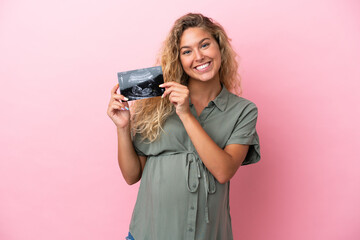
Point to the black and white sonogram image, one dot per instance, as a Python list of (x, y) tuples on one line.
[(141, 83)]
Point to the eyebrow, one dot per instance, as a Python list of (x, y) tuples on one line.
[(199, 43)]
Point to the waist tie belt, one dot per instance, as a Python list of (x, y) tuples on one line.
[(194, 167)]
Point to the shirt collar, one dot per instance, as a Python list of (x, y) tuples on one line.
[(221, 100)]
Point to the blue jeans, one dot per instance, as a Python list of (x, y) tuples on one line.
[(130, 237)]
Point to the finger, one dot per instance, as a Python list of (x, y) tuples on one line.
[(177, 99), (179, 95), (126, 105), (113, 109), (166, 92), (116, 103), (114, 89), (119, 106), (120, 97), (175, 88), (170, 84)]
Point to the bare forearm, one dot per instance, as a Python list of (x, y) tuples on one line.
[(129, 161), (217, 161), (222, 163)]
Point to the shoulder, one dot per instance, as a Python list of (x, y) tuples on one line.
[(240, 103)]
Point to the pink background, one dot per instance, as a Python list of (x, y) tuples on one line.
[(59, 177)]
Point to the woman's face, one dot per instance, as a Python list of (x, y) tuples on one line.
[(200, 55)]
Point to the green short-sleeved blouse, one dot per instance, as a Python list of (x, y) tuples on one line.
[(179, 199)]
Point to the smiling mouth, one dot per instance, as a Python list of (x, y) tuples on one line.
[(203, 66)]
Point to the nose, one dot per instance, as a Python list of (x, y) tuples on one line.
[(198, 55)]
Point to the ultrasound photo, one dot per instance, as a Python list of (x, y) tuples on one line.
[(141, 83)]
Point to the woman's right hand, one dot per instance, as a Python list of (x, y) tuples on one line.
[(118, 109)]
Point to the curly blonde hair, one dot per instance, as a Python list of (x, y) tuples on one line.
[(148, 115)]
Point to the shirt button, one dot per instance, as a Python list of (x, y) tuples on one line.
[(194, 185), (192, 208), (190, 230)]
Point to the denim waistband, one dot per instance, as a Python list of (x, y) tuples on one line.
[(130, 237)]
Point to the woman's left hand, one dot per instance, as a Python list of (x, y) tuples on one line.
[(178, 95)]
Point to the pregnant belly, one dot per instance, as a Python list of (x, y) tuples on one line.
[(164, 179)]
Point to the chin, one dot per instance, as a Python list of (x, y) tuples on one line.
[(204, 78)]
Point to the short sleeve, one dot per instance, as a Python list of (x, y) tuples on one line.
[(245, 133), (138, 144)]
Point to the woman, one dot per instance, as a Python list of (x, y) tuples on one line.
[(189, 143)]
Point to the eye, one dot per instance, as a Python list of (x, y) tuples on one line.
[(186, 52), (205, 45)]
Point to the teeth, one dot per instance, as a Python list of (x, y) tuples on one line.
[(202, 66)]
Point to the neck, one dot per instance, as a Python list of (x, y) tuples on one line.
[(204, 92)]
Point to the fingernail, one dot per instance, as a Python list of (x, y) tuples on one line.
[(126, 99), (162, 96), (126, 108), (161, 85)]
